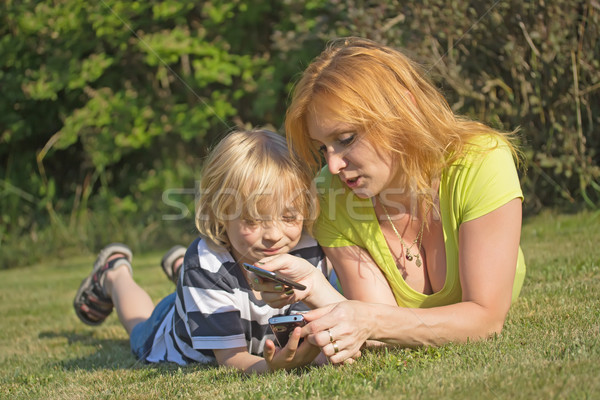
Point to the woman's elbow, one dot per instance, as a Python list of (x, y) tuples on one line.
[(491, 322)]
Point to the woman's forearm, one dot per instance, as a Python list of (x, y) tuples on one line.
[(322, 293), (434, 326)]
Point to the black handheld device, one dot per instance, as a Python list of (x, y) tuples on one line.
[(274, 276), (283, 326)]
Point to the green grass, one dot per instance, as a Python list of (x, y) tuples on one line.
[(550, 347)]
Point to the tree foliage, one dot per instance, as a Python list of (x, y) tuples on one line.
[(108, 105)]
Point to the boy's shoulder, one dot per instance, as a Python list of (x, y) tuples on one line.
[(208, 268), (200, 254), (309, 249)]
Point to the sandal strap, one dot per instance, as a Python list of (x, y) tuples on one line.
[(100, 276), (168, 261), (91, 303)]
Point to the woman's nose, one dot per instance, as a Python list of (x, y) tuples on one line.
[(335, 162)]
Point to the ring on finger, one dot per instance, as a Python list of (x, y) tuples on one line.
[(330, 336), (336, 349)]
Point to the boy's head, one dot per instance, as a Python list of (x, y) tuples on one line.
[(251, 177)]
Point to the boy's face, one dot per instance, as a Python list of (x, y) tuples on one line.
[(253, 240)]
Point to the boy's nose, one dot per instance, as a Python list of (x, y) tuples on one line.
[(273, 232)]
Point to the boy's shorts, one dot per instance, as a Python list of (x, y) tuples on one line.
[(142, 335)]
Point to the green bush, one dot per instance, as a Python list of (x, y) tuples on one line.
[(533, 65), (108, 108)]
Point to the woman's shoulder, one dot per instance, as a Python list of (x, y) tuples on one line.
[(484, 146)]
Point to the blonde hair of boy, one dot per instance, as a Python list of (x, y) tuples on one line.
[(251, 175), (387, 98)]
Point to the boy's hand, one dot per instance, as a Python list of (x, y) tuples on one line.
[(293, 355)]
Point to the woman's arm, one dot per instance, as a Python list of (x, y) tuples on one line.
[(488, 252), (359, 275)]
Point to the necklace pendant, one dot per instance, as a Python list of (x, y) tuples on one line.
[(418, 262), (409, 257)]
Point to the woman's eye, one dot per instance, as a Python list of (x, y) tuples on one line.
[(347, 141)]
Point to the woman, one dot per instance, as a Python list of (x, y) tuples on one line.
[(420, 209)]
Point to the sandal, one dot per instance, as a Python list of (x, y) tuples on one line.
[(168, 261), (92, 305)]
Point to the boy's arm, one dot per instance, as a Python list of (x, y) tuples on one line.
[(239, 358), (291, 356)]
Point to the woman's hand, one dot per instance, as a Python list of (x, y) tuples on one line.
[(293, 355), (340, 329), (318, 291)]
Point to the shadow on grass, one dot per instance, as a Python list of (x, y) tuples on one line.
[(115, 354), (109, 354)]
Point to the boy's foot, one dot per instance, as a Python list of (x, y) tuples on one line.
[(91, 303), (171, 262)]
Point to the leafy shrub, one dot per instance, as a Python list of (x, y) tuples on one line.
[(108, 108)]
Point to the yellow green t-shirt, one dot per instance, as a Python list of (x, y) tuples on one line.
[(480, 182)]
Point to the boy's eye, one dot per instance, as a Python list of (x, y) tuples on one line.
[(250, 222), (289, 218)]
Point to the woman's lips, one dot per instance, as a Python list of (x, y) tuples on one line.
[(352, 182)]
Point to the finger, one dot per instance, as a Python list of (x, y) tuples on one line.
[(348, 361), (269, 350), (342, 355), (255, 280), (276, 300), (318, 313), (308, 351), (264, 284), (320, 320), (289, 351), (322, 338), (270, 263)]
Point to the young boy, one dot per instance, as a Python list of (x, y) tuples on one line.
[(254, 203)]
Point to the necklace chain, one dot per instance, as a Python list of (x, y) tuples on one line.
[(407, 249)]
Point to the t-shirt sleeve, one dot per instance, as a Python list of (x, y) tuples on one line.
[(212, 309), (328, 234), (487, 181), (333, 220)]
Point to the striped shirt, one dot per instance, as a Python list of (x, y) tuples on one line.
[(215, 307)]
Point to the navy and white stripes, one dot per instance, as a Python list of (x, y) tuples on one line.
[(216, 308)]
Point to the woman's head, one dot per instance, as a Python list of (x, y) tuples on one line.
[(250, 177), (385, 98)]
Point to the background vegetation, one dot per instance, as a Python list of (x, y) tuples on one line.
[(109, 107)]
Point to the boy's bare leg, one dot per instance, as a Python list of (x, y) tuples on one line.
[(132, 303)]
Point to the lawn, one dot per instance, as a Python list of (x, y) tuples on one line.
[(550, 346)]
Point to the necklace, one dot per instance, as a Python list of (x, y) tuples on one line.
[(407, 249)]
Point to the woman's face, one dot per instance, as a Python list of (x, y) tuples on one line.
[(366, 171)]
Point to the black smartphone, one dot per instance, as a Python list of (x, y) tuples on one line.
[(283, 326), (274, 276)]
